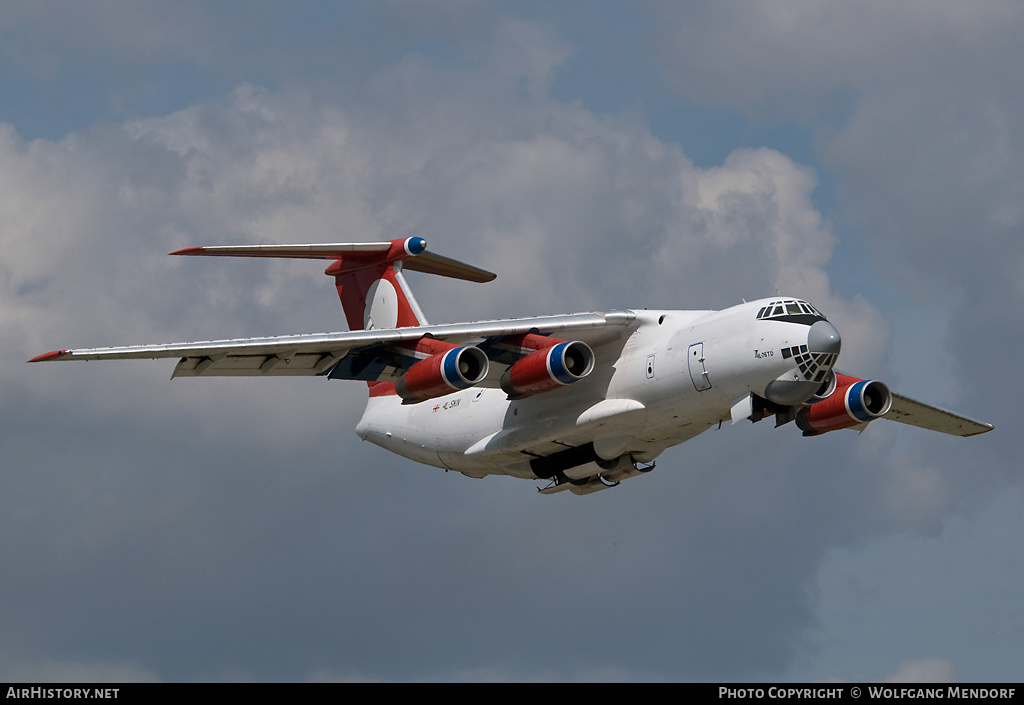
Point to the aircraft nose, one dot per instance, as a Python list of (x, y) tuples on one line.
[(824, 338)]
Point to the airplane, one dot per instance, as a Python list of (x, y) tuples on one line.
[(581, 401)]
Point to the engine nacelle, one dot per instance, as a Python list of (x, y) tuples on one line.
[(544, 370), (443, 373), (855, 401)]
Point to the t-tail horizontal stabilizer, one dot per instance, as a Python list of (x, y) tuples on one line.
[(368, 275), (357, 255)]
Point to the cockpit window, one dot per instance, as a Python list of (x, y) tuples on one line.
[(788, 309)]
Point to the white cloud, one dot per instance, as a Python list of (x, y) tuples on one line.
[(926, 670), (920, 106)]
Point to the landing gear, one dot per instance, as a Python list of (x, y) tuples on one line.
[(612, 472)]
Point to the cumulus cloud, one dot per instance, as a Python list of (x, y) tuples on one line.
[(534, 185), (913, 110), (919, 104), (926, 670)]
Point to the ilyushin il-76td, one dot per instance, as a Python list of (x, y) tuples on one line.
[(581, 401)]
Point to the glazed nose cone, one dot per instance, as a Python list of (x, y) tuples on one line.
[(824, 338)]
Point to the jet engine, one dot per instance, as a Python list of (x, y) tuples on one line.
[(547, 369), (443, 373), (855, 401)]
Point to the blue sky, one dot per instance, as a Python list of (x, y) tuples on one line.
[(595, 155)]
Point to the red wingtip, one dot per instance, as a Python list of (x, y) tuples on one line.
[(49, 356), (188, 251)]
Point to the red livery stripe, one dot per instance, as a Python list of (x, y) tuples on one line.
[(49, 356)]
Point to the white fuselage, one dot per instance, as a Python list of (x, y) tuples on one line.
[(665, 378)]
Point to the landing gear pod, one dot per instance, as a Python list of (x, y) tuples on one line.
[(855, 401), (443, 373), (544, 370), (581, 471)]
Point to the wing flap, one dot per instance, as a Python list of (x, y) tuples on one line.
[(283, 364), (915, 413)]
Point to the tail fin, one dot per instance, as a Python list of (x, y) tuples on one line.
[(368, 275)]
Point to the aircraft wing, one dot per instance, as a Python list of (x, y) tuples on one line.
[(915, 413), (317, 354)]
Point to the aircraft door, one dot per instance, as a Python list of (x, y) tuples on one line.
[(695, 362)]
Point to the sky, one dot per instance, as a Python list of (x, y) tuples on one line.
[(596, 155)]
